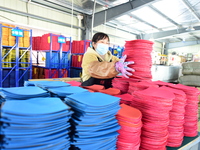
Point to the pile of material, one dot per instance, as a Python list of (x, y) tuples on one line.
[(139, 51)]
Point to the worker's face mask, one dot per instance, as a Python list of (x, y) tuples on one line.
[(102, 49)]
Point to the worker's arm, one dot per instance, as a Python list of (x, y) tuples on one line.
[(96, 69)]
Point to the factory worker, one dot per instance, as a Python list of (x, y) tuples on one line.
[(99, 66)]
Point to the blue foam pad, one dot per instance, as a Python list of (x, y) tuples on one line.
[(51, 84), (65, 91), (95, 99), (34, 106)]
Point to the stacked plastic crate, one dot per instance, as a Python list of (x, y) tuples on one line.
[(116, 50), (57, 53), (78, 49)]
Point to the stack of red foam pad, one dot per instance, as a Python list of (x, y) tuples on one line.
[(110, 91), (125, 98), (161, 83), (139, 51), (122, 84), (100, 88), (94, 87), (135, 86), (191, 109), (129, 119), (155, 104), (176, 116)]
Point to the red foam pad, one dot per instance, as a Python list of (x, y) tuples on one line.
[(74, 83), (110, 91), (94, 87)]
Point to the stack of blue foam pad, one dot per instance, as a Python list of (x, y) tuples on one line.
[(23, 92), (35, 124), (62, 92), (1, 101), (46, 84), (33, 83), (93, 122)]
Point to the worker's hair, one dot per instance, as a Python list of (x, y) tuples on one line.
[(99, 36)]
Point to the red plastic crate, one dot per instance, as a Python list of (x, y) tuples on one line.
[(46, 41), (64, 73), (66, 46), (77, 60), (78, 46), (53, 74)]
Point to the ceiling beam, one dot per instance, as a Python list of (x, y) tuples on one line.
[(139, 19), (13, 11), (165, 34), (123, 24), (101, 2), (68, 5), (114, 26), (167, 18), (180, 39), (191, 9), (56, 6), (118, 11), (164, 16), (182, 44), (198, 38)]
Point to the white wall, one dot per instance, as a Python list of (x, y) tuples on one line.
[(116, 36), (40, 27), (35, 23), (187, 49), (157, 47)]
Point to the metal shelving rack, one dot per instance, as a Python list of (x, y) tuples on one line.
[(16, 65), (63, 61)]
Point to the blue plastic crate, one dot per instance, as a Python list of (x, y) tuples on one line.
[(12, 79), (24, 78), (75, 72), (6, 82), (54, 61)]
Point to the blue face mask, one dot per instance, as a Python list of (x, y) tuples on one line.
[(102, 49)]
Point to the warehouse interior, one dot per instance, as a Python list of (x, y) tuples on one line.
[(165, 38)]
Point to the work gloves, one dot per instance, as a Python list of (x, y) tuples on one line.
[(122, 67)]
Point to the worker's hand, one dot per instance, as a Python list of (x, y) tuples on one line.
[(122, 67)]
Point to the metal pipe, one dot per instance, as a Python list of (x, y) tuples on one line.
[(72, 18), (93, 12), (105, 21), (80, 17), (27, 10), (37, 17)]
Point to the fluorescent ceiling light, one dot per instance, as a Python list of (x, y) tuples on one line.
[(190, 28)]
